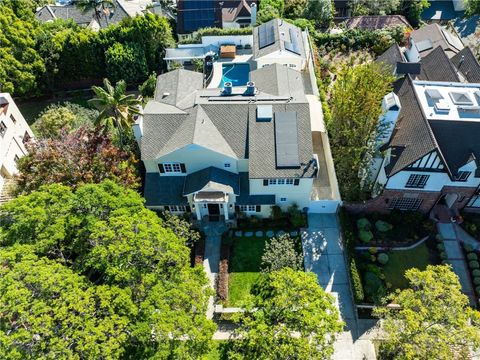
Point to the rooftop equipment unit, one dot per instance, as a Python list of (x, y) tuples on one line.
[(442, 107), (264, 113), (250, 89), (227, 88)]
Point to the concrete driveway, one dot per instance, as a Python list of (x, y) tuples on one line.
[(323, 251)]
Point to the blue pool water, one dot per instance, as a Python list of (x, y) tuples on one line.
[(237, 74)]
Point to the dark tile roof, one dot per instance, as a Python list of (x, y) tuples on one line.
[(246, 199), (458, 141), (164, 190), (436, 66), (404, 68), (209, 177), (66, 12), (376, 22), (466, 62), (392, 56), (412, 135)]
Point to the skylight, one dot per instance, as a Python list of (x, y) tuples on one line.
[(461, 98)]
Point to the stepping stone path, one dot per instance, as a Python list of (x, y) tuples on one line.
[(248, 233), (259, 234), (293, 233), (270, 234), (280, 233), (238, 233)]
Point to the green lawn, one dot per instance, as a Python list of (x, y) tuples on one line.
[(400, 261), (31, 109), (244, 268)]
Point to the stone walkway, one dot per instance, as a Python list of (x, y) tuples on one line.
[(323, 250), (213, 239), (453, 236)]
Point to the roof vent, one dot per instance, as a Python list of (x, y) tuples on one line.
[(250, 89), (264, 113), (165, 94), (227, 88), (442, 107)]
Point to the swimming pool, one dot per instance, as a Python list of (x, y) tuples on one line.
[(237, 74)]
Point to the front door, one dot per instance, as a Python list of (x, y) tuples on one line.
[(214, 209)]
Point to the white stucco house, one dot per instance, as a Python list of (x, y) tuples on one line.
[(221, 151), (14, 134)]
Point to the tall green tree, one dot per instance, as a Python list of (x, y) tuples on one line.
[(291, 317), (374, 7), (356, 106), (280, 253), (431, 319), (472, 7), (320, 11), (116, 108), (413, 9)]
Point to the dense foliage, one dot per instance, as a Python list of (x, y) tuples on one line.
[(84, 156), (430, 320), (91, 273), (66, 116), (374, 7), (280, 253), (355, 100), (212, 31), (472, 7), (287, 302), (38, 57)]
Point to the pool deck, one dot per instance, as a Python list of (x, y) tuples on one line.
[(241, 57)]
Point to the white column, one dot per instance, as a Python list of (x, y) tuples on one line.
[(225, 210), (197, 211)]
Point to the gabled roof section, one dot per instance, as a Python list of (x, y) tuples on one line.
[(178, 88), (276, 79), (436, 66), (212, 179), (392, 56), (466, 62), (412, 135), (376, 22), (284, 34), (438, 37), (231, 13)]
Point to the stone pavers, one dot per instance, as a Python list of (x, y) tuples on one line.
[(248, 233), (323, 252), (270, 233), (259, 233), (238, 233)]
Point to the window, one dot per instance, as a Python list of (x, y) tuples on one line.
[(177, 208), (411, 204), (280, 182), (172, 168), (283, 199), (248, 208), (417, 181), (227, 165), (289, 181), (292, 65), (462, 175), (3, 128), (272, 181), (16, 158), (26, 137), (13, 119)]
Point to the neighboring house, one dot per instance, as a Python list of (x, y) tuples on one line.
[(193, 15), (376, 22), (221, 151), (14, 134), (423, 40), (122, 9), (428, 148), (280, 42)]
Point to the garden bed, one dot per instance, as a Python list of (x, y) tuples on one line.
[(471, 224)]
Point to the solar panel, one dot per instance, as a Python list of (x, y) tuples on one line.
[(293, 45), (266, 35), (286, 140)]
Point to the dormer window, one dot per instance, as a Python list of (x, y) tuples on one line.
[(462, 176)]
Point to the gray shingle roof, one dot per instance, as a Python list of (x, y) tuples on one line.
[(246, 199), (178, 87), (466, 62), (212, 179), (436, 66), (66, 12), (439, 37), (281, 29), (164, 190), (279, 80), (391, 56)]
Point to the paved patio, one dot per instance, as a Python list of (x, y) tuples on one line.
[(323, 250)]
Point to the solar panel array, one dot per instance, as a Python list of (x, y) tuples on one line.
[(266, 35), (286, 140), (197, 14), (294, 44)]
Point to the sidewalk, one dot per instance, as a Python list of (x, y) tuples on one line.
[(323, 251)]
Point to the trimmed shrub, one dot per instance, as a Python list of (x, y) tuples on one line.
[(363, 224), (476, 272), (356, 282), (441, 247), (473, 264), (365, 236), (476, 280), (443, 255), (373, 250), (468, 248), (439, 237), (472, 256), (374, 288), (383, 226), (382, 258)]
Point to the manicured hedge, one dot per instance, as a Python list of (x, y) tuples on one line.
[(212, 31), (358, 292)]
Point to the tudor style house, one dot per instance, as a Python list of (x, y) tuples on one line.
[(14, 134), (217, 151), (429, 148)]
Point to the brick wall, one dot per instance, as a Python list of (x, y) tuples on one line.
[(429, 198)]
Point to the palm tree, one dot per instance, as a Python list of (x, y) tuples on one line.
[(117, 110), (99, 7)]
